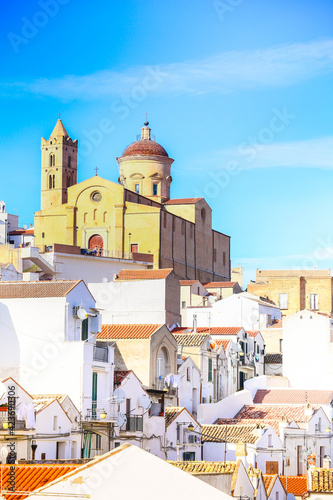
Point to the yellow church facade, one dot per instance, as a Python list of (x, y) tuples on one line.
[(137, 215)]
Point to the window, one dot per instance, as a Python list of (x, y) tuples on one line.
[(94, 395), (69, 161), (68, 181), (276, 495), (188, 374), (43, 456), (173, 224), (189, 456), (281, 345), (155, 189), (270, 441), (168, 191), (198, 290), (283, 301), (53, 181), (210, 370), (203, 215), (134, 248), (314, 301), (183, 226), (224, 258), (164, 220), (52, 160), (84, 329), (214, 254), (191, 231), (117, 444), (183, 304), (258, 349), (137, 188), (50, 181), (55, 423)]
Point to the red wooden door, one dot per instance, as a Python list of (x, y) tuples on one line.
[(96, 241)]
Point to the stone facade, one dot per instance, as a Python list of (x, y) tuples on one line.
[(294, 291)]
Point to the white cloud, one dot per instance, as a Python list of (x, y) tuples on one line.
[(312, 153), (224, 73)]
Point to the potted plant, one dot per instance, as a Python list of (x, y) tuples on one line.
[(3, 406)]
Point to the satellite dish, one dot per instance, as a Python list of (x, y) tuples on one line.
[(121, 419), (211, 299), (82, 314), (145, 402), (3, 390), (105, 280), (119, 395)]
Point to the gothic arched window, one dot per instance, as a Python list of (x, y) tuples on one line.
[(50, 181)]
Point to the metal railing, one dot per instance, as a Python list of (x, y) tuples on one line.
[(134, 423), (101, 354)]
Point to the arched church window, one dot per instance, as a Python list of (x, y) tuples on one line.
[(53, 181), (50, 181), (163, 363), (52, 160)]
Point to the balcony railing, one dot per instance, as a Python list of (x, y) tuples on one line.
[(161, 386), (134, 423), (19, 424), (101, 354), (96, 413)]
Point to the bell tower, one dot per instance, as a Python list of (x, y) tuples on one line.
[(59, 166)]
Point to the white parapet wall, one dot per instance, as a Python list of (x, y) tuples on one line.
[(226, 408)]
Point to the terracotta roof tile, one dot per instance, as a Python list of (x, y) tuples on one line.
[(274, 412), (252, 333), (203, 467), (223, 343), (297, 485), (322, 479), (171, 412), (273, 358), (216, 330), (143, 274), (182, 201), (229, 433), (119, 376), (249, 421), (31, 477), (269, 480), (35, 289), (220, 284), (113, 332), (195, 339), (188, 282), (292, 396), (276, 324)]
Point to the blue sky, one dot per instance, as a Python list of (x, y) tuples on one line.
[(239, 93)]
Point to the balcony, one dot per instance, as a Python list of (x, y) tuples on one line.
[(98, 414), (19, 424), (134, 424), (161, 386), (101, 354)]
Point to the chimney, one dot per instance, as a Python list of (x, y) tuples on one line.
[(241, 452), (194, 323)]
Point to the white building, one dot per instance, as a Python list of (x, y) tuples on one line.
[(8, 223), (242, 309), (49, 347), (190, 383), (308, 350), (181, 443)]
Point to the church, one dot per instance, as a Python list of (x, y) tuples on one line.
[(135, 215)]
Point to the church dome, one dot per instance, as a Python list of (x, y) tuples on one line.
[(145, 146)]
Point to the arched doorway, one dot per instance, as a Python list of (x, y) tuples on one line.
[(96, 241)]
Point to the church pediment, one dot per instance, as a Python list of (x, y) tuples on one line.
[(136, 176)]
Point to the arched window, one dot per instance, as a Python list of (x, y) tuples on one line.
[(50, 181), (53, 181), (52, 160), (69, 161), (68, 180), (163, 364)]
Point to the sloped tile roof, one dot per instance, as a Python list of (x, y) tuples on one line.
[(273, 358), (31, 477), (295, 484), (252, 333), (59, 397), (274, 412), (119, 376), (223, 343), (220, 284), (215, 330), (322, 479), (203, 467), (269, 480), (292, 396), (171, 412), (113, 332), (276, 324), (229, 433), (249, 421), (182, 201), (142, 274), (36, 289), (188, 282), (195, 339)]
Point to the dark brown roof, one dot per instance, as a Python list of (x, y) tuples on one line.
[(145, 147), (273, 358), (36, 289), (182, 201), (220, 284)]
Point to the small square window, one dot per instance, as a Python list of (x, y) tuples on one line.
[(137, 188)]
